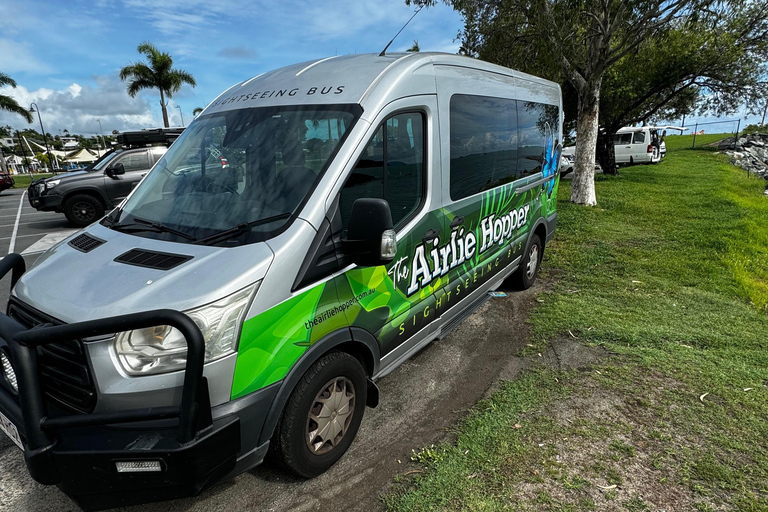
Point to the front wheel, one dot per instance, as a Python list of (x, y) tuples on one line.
[(322, 416), (525, 275), (83, 209)]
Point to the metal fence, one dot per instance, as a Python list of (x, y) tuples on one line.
[(706, 136)]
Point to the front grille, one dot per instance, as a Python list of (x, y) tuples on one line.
[(85, 242), (64, 371), (152, 259)]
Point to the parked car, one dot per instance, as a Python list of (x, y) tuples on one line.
[(6, 181), (83, 196), (310, 231)]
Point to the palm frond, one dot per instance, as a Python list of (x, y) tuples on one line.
[(10, 105), (7, 80), (148, 49), (136, 85)]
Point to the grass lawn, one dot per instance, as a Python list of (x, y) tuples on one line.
[(23, 180), (675, 142), (669, 274)]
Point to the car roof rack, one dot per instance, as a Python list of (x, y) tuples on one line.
[(164, 136)]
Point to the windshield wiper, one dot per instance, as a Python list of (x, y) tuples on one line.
[(240, 229), (145, 225)]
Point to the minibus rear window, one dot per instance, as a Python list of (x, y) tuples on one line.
[(253, 167)]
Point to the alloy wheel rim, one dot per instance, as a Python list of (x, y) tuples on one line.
[(533, 261), (330, 416), (83, 211)]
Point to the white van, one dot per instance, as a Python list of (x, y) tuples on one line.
[(368, 205), (637, 145), (641, 144)]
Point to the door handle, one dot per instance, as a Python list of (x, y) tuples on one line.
[(430, 235), (456, 222)]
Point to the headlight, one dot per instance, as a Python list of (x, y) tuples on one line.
[(40, 187), (162, 349), (52, 183)]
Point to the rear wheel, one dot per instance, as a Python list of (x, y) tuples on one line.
[(322, 416), (525, 275), (83, 209)]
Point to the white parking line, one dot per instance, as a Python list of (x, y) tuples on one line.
[(47, 242), (22, 213), (12, 246)]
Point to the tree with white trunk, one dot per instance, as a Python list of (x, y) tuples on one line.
[(575, 39)]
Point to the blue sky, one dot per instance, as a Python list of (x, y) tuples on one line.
[(66, 55)]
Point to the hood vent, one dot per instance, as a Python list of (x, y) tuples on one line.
[(85, 242), (152, 259)]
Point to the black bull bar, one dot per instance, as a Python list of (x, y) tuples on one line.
[(197, 440)]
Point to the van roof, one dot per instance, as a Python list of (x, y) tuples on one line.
[(344, 79)]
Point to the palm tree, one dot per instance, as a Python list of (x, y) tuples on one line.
[(8, 103), (197, 111), (157, 74), (415, 47)]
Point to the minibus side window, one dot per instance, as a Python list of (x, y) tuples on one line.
[(483, 144), (639, 138), (391, 167)]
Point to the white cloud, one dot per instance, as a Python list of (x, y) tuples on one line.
[(79, 107)]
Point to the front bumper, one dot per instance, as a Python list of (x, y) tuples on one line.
[(78, 453), (43, 202)]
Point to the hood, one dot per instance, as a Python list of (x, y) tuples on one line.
[(73, 286), (66, 175)]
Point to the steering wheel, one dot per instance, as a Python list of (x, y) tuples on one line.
[(212, 185)]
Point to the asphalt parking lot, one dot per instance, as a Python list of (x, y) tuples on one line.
[(26, 231)]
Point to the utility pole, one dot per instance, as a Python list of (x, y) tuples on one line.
[(23, 156), (103, 141), (182, 116), (32, 108)]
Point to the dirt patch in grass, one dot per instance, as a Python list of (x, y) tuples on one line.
[(607, 452)]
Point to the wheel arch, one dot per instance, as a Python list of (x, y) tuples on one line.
[(354, 341), (540, 229), (88, 191)]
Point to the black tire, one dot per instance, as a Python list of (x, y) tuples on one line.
[(525, 275), (290, 442), (83, 209)]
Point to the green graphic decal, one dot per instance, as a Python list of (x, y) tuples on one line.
[(479, 236)]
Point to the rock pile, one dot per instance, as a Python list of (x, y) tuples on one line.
[(749, 153)]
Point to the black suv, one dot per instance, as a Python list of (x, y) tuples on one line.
[(84, 196)]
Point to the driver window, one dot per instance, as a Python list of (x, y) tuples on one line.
[(391, 167), (137, 161)]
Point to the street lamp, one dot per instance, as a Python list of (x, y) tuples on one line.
[(182, 116), (34, 108)]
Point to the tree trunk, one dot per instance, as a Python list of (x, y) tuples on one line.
[(165, 112), (606, 153), (583, 183)]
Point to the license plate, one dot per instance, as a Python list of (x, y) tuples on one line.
[(10, 430)]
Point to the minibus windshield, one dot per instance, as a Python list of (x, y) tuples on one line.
[(237, 177)]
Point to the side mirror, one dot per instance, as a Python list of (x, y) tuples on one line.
[(115, 170), (370, 241)]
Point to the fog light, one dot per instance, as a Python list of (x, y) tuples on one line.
[(10, 374), (139, 466)]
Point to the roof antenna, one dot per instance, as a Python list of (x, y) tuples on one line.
[(384, 51)]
